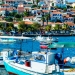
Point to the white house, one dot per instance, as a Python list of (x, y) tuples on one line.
[(56, 16), (68, 18), (29, 1), (2, 11), (29, 18), (73, 4), (70, 24)]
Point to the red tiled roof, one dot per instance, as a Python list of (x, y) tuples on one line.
[(28, 22), (70, 23), (20, 9), (5, 4), (56, 12), (9, 9), (45, 11), (50, 23), (29, 17), (2, 9)]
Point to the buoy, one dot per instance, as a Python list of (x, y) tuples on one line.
[(66, 59), (43, 47)]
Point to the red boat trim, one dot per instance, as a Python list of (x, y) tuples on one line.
[(11, 73)]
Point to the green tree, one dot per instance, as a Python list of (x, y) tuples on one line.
[(48, 28), (18, 15), (22, 26), (36, 26), (12, 14), (9, 19), (57, 27), (1, 26), (65, 9), (9, 27), (65, 27), (74, 19), (43, 19), (37, 2), (26, 13), (47, 16)]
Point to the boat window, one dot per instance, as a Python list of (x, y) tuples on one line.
[(39, 57)]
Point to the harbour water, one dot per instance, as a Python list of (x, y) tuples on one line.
[(68, 52), (3, 71)]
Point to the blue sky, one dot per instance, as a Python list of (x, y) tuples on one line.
[(71, 0)]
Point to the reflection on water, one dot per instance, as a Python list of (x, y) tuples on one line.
[(3, 71)]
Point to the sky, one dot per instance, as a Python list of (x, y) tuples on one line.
[(71, 0)]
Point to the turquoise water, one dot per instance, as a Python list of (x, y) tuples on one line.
[(68, 52)]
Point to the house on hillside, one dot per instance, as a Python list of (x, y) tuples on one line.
[(2, 11), (68, 18), (29, 18), (70, 24), (29, 1), (56, 16), (20, 8), (41, 3)]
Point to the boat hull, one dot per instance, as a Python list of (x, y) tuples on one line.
[(13, 70)]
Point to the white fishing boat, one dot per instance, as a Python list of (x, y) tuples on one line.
[(40, 38), (1, 59), (7, 40), (1, 56), (34, 63), (46, 40)]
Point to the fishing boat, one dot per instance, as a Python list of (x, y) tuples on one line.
[(46, 40), (35, 62), (1, 57), (7, 40)]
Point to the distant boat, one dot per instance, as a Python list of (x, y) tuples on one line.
[(44, 39), (7, 40)]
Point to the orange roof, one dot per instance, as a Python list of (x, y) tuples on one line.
[(45, 11), (50, 23), (28, 22), (5, 4), (2, 9), (29, 17), (56, 12), (70, 23), (9, 9)]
